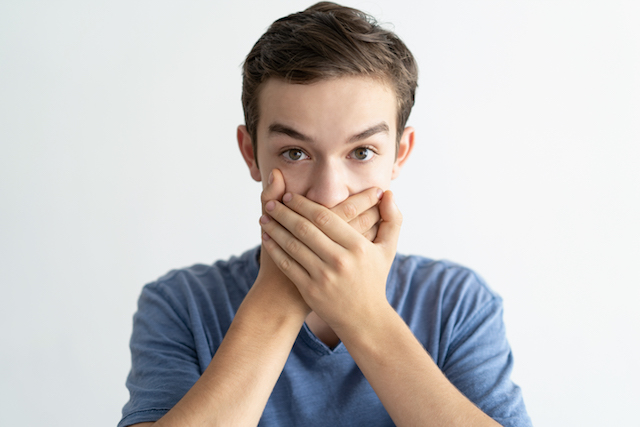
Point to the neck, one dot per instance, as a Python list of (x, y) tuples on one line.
[(322, 330)]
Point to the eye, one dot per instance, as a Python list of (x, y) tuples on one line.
[(362, 153), (294, 155)]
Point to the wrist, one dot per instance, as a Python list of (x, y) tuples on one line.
[(367, 323), (277, 296)]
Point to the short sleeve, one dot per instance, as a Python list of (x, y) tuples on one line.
[(164, 362), (479, 362)]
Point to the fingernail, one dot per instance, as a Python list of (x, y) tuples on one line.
[(270, 205), (264, 219), (265, 236), (380, 193), (270, 180), (287, 197)]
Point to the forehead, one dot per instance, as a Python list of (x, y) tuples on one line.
[(339, 105)]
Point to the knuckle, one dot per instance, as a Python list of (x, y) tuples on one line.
[(284, 264), (359, 249), (293, 247), (340, 263), (349, 210), (302, 229), (322, 218), (314, 293), (362, 248), (325, 276), (364, 222)]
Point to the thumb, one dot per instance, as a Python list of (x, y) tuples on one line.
[(389, 229), (275, 188)]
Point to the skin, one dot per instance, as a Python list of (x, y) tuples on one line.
[(329, 140), (330, 230)]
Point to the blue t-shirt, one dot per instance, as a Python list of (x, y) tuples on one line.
[(183, 317)]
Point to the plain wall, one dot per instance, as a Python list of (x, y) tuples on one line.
[(119, 162)]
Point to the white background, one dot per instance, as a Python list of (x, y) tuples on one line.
[(118, 162)]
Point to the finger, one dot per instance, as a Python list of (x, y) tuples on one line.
[(289, 266), (371, 233), (275, 188), (298, 236), (321, 219), (363, 222), (355, 205), (288, 241), (389, 228)]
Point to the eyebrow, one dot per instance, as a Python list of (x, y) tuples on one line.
[(379, 128), (292, 133)]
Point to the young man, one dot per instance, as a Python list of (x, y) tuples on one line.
[(324, 324)]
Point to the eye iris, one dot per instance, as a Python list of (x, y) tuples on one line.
[(295, 154), (361, 153)]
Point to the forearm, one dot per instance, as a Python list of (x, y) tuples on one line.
[(236, 385), (409, 384)]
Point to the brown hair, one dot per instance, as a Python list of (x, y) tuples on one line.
[(327, 41)]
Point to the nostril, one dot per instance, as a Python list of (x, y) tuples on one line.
[(327, 197)]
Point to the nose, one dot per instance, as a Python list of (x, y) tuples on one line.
[(327, 185)]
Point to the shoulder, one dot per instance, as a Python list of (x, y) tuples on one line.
[(457, 317), (445, 279), (201, 290), (442, 298), (232, 276)]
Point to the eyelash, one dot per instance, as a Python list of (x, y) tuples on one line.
[(371, 151), (287, 152)]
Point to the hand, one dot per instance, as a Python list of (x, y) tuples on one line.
[(340, 274), (360, 211), (269, 273)]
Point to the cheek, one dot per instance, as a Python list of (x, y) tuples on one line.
[(295, 180), (266, 166), (364, 178)]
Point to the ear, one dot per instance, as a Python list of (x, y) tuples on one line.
[(404, 150), (246, 148)]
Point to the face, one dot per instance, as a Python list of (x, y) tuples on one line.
[(330, 139)]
